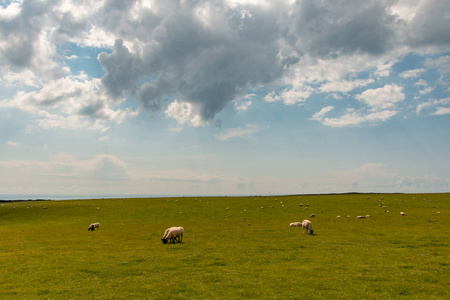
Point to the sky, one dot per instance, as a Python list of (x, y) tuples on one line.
[(224, 97)]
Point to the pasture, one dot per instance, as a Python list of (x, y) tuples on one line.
[(247, 251)]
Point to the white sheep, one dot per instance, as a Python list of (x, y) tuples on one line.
[(173, 234), (307, 225), (93, 226), (360, 217), (295, 224), (402, 213)]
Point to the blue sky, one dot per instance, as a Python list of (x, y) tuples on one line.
[(235, 97)]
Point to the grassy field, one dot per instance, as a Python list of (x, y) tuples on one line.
[(243, 252)]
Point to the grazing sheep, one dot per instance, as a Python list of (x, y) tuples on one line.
[(368, 216), (295, 224), (348, 216), (360, 217), (173, 234), (93, 226), (338, 216), (312, 215), (402, 213), (307, 225)]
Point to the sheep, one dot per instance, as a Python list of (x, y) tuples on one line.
[(360, 217), (312, 215), (173, 234), (402, 213), (93, 226), (307, 225), (295, 224), (368, 216)]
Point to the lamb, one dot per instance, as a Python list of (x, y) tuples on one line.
[(173, 234), (93, 226), (295, 224), (307, 225)]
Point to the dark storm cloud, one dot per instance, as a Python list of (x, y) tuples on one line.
[(431, 24), (330, 27), (204, 64), (207, 53), (21, 32), (122, 68)]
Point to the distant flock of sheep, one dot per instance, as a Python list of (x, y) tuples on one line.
[(175, 234)]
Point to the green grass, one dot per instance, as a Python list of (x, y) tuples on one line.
[(227, 254)]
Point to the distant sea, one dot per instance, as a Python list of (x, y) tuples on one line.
[(75, 197)]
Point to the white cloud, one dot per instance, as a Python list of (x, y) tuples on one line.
[(71, 102), (272, 97), (441, 111), (436, 104), (382, 98), (412, 73), (296, 95), (244, 106), (381, 107), (20, 79), (243, 133), (11, 143), (344, 86), (352, 118), (321, 114), (421, 82), (426, 90), (184, 113)]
